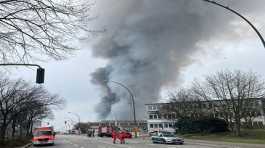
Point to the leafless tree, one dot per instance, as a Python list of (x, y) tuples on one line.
[(185, 105), (219, 107), (233, 89), (19, 99), (29, 28)]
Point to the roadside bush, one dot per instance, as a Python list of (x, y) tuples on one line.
[(10, 143), (206, 125)]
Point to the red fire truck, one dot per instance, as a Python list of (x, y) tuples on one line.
[(105, 131), (43, 136)]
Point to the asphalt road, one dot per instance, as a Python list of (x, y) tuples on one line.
[(75, 141)]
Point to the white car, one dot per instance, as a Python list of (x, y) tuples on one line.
[(166, 138)]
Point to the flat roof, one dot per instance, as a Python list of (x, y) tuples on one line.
[(158, 103)]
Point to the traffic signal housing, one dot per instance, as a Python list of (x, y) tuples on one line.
[(40, 75)]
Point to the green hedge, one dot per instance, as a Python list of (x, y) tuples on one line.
[(206, 125)]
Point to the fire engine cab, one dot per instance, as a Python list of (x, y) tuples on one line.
[(43, 136)]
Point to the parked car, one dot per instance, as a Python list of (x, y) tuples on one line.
[(166, 138)]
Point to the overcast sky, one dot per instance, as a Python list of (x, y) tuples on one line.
[(237, 47)]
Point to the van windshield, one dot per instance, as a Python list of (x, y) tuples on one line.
[(42, 133)]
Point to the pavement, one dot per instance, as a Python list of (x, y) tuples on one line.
[(76, 141)]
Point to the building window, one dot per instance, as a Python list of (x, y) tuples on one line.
[(166, 125), (160, 125), (155, 117), (150, 116), (155, 125), (151, 126), (149, 107), (173, 116), (170, 125)]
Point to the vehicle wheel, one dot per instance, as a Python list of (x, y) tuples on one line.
[(163, 141)]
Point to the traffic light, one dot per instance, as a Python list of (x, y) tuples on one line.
[(40, 75)]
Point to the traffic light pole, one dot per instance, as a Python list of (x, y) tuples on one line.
[(40, 70)]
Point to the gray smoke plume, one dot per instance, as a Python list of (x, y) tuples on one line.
[(101, 78), (149, 42)]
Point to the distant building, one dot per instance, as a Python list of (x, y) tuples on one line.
[(156, 121), (165, 121), (123, 124)]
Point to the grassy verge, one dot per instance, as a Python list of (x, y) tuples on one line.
[(12, 143), (248, 136)]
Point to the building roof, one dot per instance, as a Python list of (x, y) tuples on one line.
[(158, 103)]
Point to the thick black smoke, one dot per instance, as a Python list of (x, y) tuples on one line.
[(101, 78), (149, 42)]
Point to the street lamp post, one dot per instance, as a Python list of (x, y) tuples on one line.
[(131, 95), (132, 99), (241, 16), (79, 129)]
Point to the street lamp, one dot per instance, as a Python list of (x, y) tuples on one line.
[(132, 98), (79, 129), (241, 16)]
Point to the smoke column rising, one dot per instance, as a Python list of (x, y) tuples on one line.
[(101, 78), (148, 43)]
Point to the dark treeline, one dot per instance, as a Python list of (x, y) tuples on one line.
[(22, 105)]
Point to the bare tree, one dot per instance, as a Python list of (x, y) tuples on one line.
[(184, 104), (29, 28), (19, 99), (234, 89), (8, 102), (219, 107)]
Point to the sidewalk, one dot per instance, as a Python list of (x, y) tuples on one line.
[(211, 143)]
